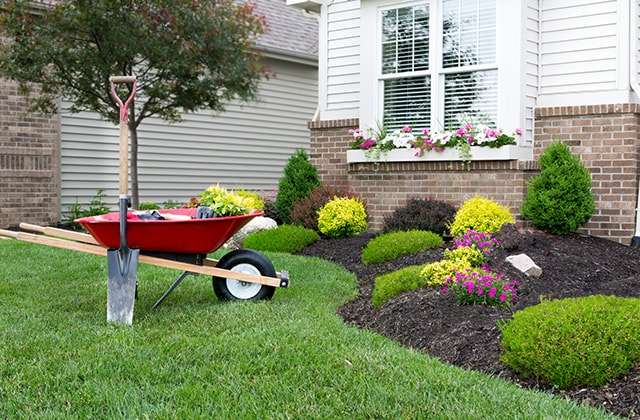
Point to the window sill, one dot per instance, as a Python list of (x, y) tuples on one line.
[(448, 155)]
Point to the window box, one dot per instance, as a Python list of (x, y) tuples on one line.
[(477, 154)]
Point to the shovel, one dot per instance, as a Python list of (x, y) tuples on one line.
[(122, 263)]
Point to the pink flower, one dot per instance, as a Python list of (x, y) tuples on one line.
[(519, 131), (492, 292), (503, 297)]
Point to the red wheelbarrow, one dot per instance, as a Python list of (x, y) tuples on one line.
[(181, 243)]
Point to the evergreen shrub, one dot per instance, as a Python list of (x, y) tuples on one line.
[(300, 178), (559, 200)]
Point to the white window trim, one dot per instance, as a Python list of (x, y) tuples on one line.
[(509, 57)]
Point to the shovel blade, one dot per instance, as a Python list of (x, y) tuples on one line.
[(122, 267)]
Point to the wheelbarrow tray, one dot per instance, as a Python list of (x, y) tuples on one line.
[(193, 236)]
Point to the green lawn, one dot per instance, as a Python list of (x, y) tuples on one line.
[(196, 357)]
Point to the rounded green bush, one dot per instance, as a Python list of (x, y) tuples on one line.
[(284, 238), (391, 245), (342, 216), (393, 284), (585, 341), (559, 200), (480, 214)]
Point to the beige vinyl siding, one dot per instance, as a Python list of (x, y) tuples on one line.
[(578, 46), (343, 55), (245, 147)]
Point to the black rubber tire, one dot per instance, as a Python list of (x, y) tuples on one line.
[(244, 261)]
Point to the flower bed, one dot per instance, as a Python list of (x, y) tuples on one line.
[(469, 142)]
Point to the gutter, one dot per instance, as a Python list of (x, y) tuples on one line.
[(635, 87)]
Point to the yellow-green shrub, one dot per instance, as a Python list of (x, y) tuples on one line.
[(436, 273), (474, 256), (342, 216), (480, 214)]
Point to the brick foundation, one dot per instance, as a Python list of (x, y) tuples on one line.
[(605, 137), (29, 162)]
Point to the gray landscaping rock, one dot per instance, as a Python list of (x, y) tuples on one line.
[(525, 264), (255, 225)]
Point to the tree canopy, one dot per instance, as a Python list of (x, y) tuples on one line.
[(187, 55)]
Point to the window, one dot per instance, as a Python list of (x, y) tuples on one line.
[(438, 69)]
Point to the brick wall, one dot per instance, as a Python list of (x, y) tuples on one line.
[(605, 137), (29, 162)]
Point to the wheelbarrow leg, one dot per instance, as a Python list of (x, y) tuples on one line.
[(173, 286)]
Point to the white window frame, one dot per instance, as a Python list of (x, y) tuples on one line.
[(510, 61)]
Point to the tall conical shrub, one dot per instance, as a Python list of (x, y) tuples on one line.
[(559, 200), (299, 180)]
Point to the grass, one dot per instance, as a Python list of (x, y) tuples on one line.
[(196, 357)]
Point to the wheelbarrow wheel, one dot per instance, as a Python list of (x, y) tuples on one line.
[(244, 261)]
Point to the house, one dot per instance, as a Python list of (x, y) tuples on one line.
[(566, 70), (48, 164)]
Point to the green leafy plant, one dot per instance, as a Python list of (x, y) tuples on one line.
[(97, 206), (480, 214), (420, 214), (225, 203), (585, 341), (284, 238), (304, 212), (299, 180), (559, 200), (392, 245), (395, 283), (480, 286), (148, 205), (172, 204), (342, 216), (253, 197)]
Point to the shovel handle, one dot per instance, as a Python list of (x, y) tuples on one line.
[(124, 128)]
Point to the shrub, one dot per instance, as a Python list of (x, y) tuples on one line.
[(271, 212), (420, 214), (577, 341), (480, 286), (300, 178), (473, 256), (342, 217), (147, 205), (284, 238), (391, 245), (97, 206), (304, 212), (480, 214), (559, 199), (480, 241), (392, 284), (436, 274)]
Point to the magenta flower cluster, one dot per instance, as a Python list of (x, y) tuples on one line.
[(481, 287), (481, 241)]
